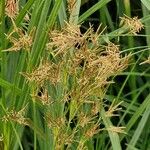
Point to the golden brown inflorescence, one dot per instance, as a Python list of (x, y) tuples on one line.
[(91, 67), (16, 116), (68, 37), (113, 109), (96, 63), (12, 8), (117, 129), (20, 39), (71, 4), (134, 24), (146, 61), (79, 58), (47, 71)]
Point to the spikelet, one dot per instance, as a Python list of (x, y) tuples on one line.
[(20, 39), (12, 8), (16, 116), (47, 71), (146, 61), (134, 24)]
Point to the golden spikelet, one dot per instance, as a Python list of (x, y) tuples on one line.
[(12, 8), (134, 24), (113, 109), (117, 129), (16, 116), (84, 119), (47, 71), (146, 61), (65, 39), (71, 5), (20, 39), (94, 129), (44, 97)]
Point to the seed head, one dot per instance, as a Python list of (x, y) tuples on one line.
[(16, 116), (63, 40), (71, 5), (12, 8), (55, 122), (45, 99), (85, 119), (47, 71), (134, 24), (117, 129), (146, 61), (112, 109), (94, 129), (20, 39)]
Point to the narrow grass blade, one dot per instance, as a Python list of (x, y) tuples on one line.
[(146, 3), (9, 86), (114, 137), (93, 9), (140, 127), (137, 114)]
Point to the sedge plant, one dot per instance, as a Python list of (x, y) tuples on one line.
[(58, 81)]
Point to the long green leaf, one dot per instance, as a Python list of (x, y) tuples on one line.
[(146, 3), (114, 137), (9, 86), (93, 9), (140, 127), (137, 114)]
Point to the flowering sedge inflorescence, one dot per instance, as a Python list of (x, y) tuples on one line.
[(12, 8), (71, 4), (24, 41), (47, 71), (146, 61), (90, 65), (134, 24), (16, 116), (79, 58), (20, 39)]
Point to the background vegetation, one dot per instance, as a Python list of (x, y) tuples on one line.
[(74, 74)]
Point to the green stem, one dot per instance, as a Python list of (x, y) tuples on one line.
[(2, 42), (132, 83)]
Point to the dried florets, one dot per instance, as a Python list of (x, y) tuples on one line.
[(146, 61), (117, 129), (64, 138), (12, 8), (47, 71), (20, 39), (89, 67), (113, 109), (71, 5), (55, 122), (98, 68), (85, 119), (16, 116), (94, 129), (134, 24), (61, 41)]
